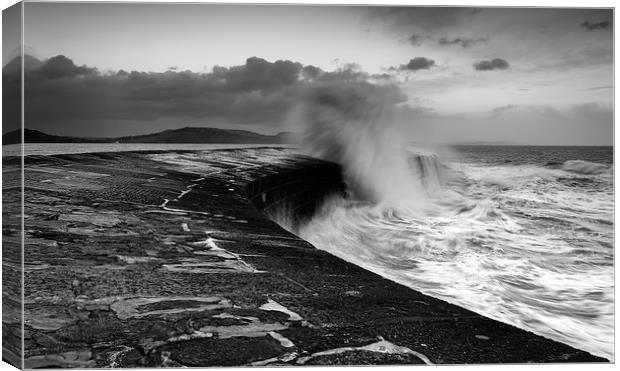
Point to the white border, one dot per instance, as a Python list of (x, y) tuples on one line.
[(480, 3)]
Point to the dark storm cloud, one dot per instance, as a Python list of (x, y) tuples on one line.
[(61, 66), (462, 41), (258, 92), (489, 65), (416, 64), (59, 90), (588, 26), (258, 74), (311, 71)]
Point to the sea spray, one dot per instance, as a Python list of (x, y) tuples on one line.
[(353, 124)]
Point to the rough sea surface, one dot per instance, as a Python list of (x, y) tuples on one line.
[(521, 234)]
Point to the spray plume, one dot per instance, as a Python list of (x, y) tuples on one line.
[(352, 123)]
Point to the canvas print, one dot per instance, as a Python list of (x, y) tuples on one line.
[(217, 185)]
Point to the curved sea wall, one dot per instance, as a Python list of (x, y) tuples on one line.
[(291, 196)]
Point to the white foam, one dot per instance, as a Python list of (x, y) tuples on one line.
[(512, 251)]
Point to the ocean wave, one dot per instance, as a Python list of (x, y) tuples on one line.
[(585, 167)]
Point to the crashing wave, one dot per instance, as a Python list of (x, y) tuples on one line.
[(353, 124), (427, 168)]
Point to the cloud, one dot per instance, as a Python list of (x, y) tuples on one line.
[(350, 72), (498, 110), (258, 74), (463, 42), (595, 26), (426, 18), (416, 39), (64, 98), (311, 71), (61, 66), (381, 76), (416, 64), (489, 65)]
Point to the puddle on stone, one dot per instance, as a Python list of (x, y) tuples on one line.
[(382, 346), (225, 266), (225, 315), (254, 328), (180, 213), (284, 358), (135, 307), (286, 343), (136, 259), (213, 249), (273, 305)]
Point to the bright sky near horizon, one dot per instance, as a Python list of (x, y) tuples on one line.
[(525, 75)]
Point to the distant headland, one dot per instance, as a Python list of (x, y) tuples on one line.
[(183, 135)]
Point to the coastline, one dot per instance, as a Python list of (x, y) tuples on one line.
[(118, 276)]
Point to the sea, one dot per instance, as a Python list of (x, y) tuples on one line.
[(520, 234)]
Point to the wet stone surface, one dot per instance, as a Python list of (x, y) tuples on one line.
[(162, 259)]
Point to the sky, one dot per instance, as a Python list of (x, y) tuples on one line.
[(518, 75)]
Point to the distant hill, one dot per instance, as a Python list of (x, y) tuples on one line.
[(35, 136), (184, 135), (202, 135)]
